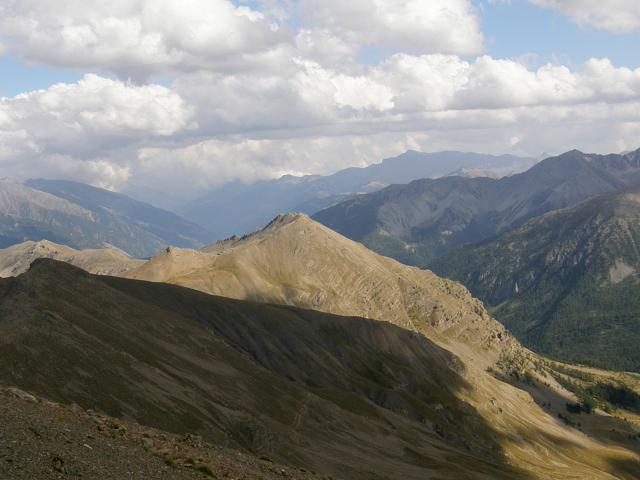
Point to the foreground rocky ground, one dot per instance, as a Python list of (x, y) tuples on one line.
[(43, 440)]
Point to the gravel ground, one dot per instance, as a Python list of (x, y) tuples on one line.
[(42, 440)]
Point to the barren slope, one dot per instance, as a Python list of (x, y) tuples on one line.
[(296, 261), (347, 397), (16, 259)]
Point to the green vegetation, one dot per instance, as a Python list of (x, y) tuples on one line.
[(593, 393), (393, 247), (566, 284)]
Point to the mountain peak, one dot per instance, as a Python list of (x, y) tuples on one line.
[(286, 219)]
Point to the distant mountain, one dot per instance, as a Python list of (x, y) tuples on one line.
[(237, 208), (17, 259), (82, 216), (417, 222), (566, 283)]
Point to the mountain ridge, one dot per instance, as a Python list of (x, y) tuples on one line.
[(82, 216), (419, 221), (238, 209)]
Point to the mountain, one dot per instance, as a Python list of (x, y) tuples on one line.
[(565, 283), (82, 216), (237, 208), (17, 259), (417, 222), (345, 397), (297, 261)]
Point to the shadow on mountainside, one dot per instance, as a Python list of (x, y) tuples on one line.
[(347, 397)]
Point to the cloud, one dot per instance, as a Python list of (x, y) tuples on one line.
[(253, 93), (618, 16), (136, 38), (209, 128), (78, 129), (434, 26), (94, 113)]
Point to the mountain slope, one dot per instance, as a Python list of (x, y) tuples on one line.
[(346, 397), (168, 227), (237, 208), (297, 261), (342, 396), (81, 216), (565, 283), (45, 440), (416, 222), (16, 259)]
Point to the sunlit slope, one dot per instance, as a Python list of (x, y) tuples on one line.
[(296, 261), (16, 259)]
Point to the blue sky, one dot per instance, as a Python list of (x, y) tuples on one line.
[(519, 28)]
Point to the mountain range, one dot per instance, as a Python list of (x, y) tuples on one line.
[(424, 219), (311, 356), (428, 385), (566, 283), (82, 216), (236, 208)]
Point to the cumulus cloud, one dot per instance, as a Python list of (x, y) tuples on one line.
[(76, 130), (135, 38), (95, 112), (248, 97), (618, 16), (309, 118), (442, 26)]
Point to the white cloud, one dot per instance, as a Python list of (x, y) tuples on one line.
[(135, 38), (618, 16), (77, 130), (247, 100), (434, 26), (93, 113), (311, 119)]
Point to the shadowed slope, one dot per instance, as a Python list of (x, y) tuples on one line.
[(45, 440), (343, 396)]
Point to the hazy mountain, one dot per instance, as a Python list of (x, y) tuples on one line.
[(167, 226), (16, 259), (565, 283), (237, 208), (82, 216), (426, 218)]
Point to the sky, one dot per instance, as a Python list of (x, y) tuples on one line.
[(166, 99)]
